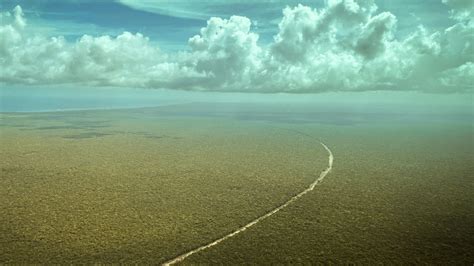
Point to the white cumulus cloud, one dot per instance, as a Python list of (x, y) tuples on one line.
[(461, 9), (346, 46)]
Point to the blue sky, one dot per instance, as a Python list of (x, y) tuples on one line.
[(73, 19), (266, 46), (172, 23)]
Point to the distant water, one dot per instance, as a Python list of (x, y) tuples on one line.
[(39, 99), (20, 98)]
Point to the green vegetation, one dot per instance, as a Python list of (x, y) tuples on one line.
[(398, 194), (145, 185)]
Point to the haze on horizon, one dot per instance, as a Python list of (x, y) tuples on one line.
[(236, 131)]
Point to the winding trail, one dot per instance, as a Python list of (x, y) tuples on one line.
[(259, 219)]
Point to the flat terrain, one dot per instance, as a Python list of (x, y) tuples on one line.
[(145, 185)]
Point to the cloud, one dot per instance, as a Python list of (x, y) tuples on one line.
[(225, 51), (101, 60), (345, 46), (375, 34), (461, 9), (180, 8), (304, 31), (203, 10)]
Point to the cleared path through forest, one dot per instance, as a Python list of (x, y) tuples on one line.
[(266, 215)]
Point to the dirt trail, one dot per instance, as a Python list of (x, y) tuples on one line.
[(259, 219)]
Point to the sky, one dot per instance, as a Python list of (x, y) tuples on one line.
[(270, 46)]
